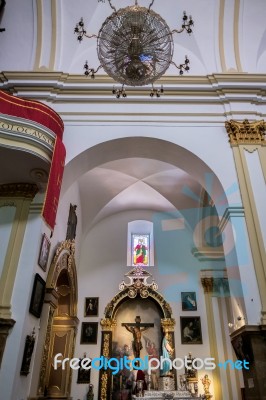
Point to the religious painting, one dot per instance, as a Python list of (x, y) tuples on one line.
[(83, 374), (190, 330), (91, 306), (189, 302), (44, 252), (27, 354), (140, 250), (37, 296), (89, 333)]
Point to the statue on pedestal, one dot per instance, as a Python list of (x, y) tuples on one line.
[(206, 385), (167, 352)]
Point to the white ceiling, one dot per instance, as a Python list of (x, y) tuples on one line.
[(225, 32), (135, 184)]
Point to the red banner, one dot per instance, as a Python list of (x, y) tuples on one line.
[(54, 184), (32, 110), (46, 116)]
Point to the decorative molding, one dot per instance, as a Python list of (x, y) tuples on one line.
[(45, 354), (137, 287), (138, 283), (104, 382), (208, 254), (106, 345), (230, 212), (7, 203), (245, 132), (65, 325), (108, 324), (215, 282), (26, 190), (14, 126), (251, 149), (208, 284), (225, 92)]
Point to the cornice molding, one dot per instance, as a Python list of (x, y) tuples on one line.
[(58, 83), (245, 132), (209, 99), (230, 212)]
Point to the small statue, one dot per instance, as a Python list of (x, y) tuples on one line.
[(90, 394), (72, 223), (206, 385), (167, 352)]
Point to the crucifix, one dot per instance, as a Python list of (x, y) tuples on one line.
[(136, 329)]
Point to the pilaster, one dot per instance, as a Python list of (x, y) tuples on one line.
[(20, 196), (245, 138)]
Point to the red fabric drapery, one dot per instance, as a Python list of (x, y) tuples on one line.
[(44, 115)]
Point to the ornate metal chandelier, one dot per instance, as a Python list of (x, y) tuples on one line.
[(135, 47)]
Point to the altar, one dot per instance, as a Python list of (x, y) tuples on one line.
[(138, 325), (166, 395)]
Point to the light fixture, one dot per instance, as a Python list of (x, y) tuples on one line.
[(135, 47)]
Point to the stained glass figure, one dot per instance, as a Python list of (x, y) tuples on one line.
[(140, 249)]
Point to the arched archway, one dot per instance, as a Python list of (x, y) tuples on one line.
[(61, 297), (141, 147)]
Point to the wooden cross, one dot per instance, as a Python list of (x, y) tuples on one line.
[(136, 329)]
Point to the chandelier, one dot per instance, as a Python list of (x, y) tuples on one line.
[(135, 47)]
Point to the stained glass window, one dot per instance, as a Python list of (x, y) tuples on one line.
[(140, 249)]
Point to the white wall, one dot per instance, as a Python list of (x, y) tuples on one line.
[(102, 267)]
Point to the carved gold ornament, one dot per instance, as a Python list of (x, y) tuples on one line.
[(245, 132)]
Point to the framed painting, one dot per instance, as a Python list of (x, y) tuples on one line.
[(84, 375), (189, 302), (91, 307), (190, 330), (37, 296), (28, 350), (44, 252), (89, 333)]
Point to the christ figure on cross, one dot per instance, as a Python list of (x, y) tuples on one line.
[(136, 329)]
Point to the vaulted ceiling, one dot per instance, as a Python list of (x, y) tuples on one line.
[(41, 58)]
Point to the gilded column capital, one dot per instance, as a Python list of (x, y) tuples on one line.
[(108, 324), (26, 190), (208, 284), (245, 132)]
